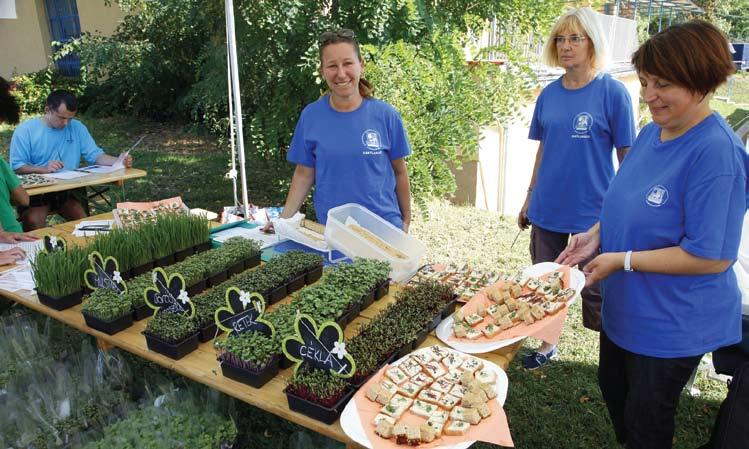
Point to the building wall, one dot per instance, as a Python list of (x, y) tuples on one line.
[(26, 40), (498, 179)]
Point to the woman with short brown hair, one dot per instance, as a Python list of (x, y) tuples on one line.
[(668, 234)]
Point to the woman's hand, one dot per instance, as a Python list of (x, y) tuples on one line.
[(602, 266), (523, 221), (581, 247), (16, 237), (406, 225), (11, 256)]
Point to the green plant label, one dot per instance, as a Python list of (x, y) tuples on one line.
[(320, 349), (54, 243), (243, 313), (168, 294), (104, 273)]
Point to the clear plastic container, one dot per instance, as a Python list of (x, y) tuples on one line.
[(352, 244)]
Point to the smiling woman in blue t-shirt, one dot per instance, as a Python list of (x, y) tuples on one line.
[(668, 234), (348, 144)]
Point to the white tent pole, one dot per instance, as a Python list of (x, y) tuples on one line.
[(233, 171), (233, 66)]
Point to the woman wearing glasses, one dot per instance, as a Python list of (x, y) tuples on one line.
[(579, 119), (350, 145), (668, 234)]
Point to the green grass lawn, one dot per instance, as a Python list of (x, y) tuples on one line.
[(559, 406)]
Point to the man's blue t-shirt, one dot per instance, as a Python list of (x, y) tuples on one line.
[(689, 192), (35, 143), (351, 153), (578, 129)]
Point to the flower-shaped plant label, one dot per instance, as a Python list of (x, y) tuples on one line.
[(243, 313), (54, 243), (104, 273), (168, 294), (320, 349)]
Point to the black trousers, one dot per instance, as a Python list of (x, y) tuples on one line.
[(546, 246), (642, 393)]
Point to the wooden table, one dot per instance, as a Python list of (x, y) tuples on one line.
[(201, 365), (88, 180)]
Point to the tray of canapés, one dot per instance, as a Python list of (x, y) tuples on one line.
[(505, 311), (434, 396), (35, 180), (466, 281)]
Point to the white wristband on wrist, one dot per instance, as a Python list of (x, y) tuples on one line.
[(628, 261)]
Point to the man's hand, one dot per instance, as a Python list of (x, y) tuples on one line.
[(11, 256), (523, 221), (406, 225), (16, 237), (53, 166)]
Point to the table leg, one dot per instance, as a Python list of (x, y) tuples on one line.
[(104, 345)]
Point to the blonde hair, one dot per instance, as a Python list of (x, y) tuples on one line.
[(580, 21)]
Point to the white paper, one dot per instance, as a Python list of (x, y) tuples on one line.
[(65, 174), (8, 9), (100, 168), (17, 279), (78, 233), (266, 240)]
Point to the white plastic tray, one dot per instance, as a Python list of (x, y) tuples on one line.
[(343, 239), (352, 426), (445, 329)]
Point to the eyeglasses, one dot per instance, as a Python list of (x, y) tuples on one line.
[(332, 36), (574, 39)]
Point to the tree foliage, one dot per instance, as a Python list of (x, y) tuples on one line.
[(169, 57)]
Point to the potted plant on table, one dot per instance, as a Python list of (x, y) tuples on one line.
[(58, 276), (318, 394), (251, 358), (107, 311)]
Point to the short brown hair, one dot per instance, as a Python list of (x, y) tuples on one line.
[(693, 55), (345, 36)]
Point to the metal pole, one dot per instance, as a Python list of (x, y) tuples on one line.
[(660, 18), (634, 14), (232, 129), (234, 67), (650, 8), (670, 15)]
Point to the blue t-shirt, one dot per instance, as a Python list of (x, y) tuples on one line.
[(689, 192), (35, 143), (578, 129), (351, 153)]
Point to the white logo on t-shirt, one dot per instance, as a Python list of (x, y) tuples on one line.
[(582, 123), (371, 139), (657, 196)]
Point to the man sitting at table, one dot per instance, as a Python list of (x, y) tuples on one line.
[(51, 143)]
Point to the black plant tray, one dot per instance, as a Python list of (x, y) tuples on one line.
[(255, 379), (181, 255), (316, 411), (382, 289), (349, 315), (61, 303), (450, 307), (202, 247), (435, 322), (173, 350), (218, 278), (285, 362), (164, 261), (208, 333), (142, 312), (404, 350), (277, 294), (294, 284), (313, 275), (236, 268), (362, 380), (420, 338), (197, 287), (109, 327), (140, 269), (367, 299), (252, 262)]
